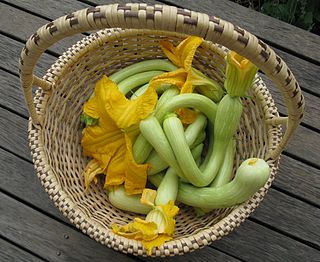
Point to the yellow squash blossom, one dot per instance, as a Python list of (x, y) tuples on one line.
[(239, 74), (110, 142), (182, 55), (156, 229), (186, 77)]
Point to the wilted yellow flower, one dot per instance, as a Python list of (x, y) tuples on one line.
[(182, 55), (186, 78), (148, 196), (156, 229), (110, 142), (239, 74)]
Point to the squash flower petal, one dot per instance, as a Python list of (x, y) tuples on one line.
[(176, 78), (156, 229), (135, 174), (125, 112), (183, 54), (109, 142), (240, 73), (91, 171), (157, 242), (186, 115), (148, 197)]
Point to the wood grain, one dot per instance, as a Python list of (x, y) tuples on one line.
[(24, 184), (10, 252), (22, 24), (305, 144), (305, 72), (290, 215), (11, 93), (252, 242), (280, 33), (312, 104), (14, 135), (298, 179), (52, 10), (48, 238), (9, 59)]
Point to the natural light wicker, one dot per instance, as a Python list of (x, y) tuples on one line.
[(55, 129)]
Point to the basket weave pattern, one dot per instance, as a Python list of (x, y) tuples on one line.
[(55, 129), (62, 106)]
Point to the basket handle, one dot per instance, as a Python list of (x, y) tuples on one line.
[(166, 18)]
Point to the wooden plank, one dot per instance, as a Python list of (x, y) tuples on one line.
[(11, 93), (246, 242), (256, 243), (48, 8), (305, 144), (305, 72), (298, 179), (53, 9), (24, 184), (22, 25), (312, 104), (48, 238), (13, 130), (290, 215), (10, 252), (28, 188), (280, 33), (9, 58)]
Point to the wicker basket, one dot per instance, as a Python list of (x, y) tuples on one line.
[(55, 130)]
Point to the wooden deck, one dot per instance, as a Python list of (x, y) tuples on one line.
[(285, 227)]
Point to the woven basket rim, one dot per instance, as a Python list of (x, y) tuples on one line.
[(86, 224)]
